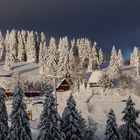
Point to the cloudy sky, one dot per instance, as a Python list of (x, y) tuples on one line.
[(106, 21)]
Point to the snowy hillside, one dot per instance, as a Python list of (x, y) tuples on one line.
[(98, 106)]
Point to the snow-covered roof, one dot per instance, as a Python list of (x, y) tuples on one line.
[(58, 83), (95, 76), (5, 82)]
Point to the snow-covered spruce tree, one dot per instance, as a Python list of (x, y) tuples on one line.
[(20, 127), (50, 120), (105, 82), (3, 117), (131, 129), (71, 60), (21, 47), (43, 57), (11, 49), (111, 132), (74, 68), (84, 48), (51, 63), (13, 44), (113, 64), (101, 56), (7, 65), (37, 45), (31, 47), (120, 59), (42, 38), (90, 64), (71, 122), (63, 57), (131, 59), (2, 46), (134, 59), (6, 37), (95, 56), (90, 129)]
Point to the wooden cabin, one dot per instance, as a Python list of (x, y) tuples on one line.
[(32, 93), (63, 85), (95, 78), (27, 94)]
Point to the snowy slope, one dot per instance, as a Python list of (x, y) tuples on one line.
[(99, 104)]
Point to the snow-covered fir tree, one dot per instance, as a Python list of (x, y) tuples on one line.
[(8, 59), (120, 59), (72, 58), (13, 44), (90, 129), (113, 64), (71, 122), (84, 48), (50, 120), (42, 60), (101, 56), (131, 59), (90, 64), (63, 57), (11, 49), (2, 46), (31, 48), (111, 132), (75, 70), (51, 63), (131, 129), (20, 127), (6, 37), (37, 45), (105, 82), (3, 117), (134, 61), (21, 48), (95, 56)]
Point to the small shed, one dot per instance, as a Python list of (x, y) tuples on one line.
[(63, 85), (95, 78)]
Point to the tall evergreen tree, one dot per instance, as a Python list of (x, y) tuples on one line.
[(43, 58), (31, 48), (20, 127), (50, 120), (90, 129), (71, 122), (101, 56), (51, 63), (113, 64), (134, 59), (95, 56), (120, 59), (2, 46), (21, 47), (63, 57), (131, 129), (111, 132), (3, 117)]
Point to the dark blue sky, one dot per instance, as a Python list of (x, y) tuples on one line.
[(106, 21)]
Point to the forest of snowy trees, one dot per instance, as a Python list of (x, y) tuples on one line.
[(62, 57), (59, 57)]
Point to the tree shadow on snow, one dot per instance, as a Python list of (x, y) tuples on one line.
[(28, 70), (18, 66)]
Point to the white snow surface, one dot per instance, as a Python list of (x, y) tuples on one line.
[(99, 104)]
